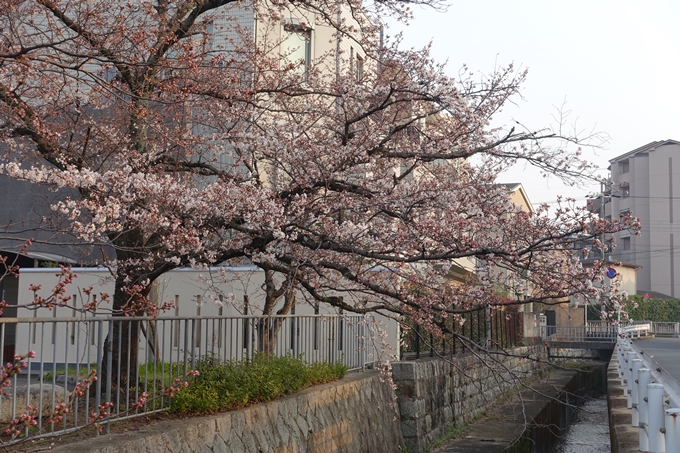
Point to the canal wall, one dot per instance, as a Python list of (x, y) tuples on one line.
[(436, 394), (536, 419)]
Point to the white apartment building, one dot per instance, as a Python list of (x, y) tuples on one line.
[(646, 182)]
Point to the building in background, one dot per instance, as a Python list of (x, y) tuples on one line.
[(646, 183)]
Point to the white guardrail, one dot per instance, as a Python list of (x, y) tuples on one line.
[(637, 330), (652, 394)]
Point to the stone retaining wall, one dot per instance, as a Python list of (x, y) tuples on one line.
[(584, 354), (354, 415), (435, 394)]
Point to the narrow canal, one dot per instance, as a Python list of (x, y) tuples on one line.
[(589, 433)]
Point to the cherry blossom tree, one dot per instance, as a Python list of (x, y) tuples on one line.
[(355, 179)]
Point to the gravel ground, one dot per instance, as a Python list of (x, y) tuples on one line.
[(590, 433)]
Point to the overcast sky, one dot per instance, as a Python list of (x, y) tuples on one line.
[(616, 63)]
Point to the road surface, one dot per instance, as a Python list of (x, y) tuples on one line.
[(665, 351)]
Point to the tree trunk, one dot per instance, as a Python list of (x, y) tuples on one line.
[(122, 343), (268, 328)]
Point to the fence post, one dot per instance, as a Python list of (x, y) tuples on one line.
[(98, 366), (657, 442), (621, 361), (630, 379), (644, 376), (672, 426), (418, 341), (109, 367), (624, 367), (637, 364)]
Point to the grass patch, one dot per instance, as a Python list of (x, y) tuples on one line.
[(81, 372), (231, 385), (151, 373), (452, 433)]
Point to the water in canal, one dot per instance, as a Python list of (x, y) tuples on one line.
[(590, 431)]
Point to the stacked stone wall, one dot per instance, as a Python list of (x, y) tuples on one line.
[(356, 414), (436, 394)]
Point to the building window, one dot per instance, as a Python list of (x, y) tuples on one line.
[(626, 243), (625, 190), (360, 68), (297, 46), (624, 166)]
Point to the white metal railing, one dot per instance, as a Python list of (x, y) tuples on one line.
[(602, 332), (666, 328), (67, 350), (653, 396), (606, 333), (599, 323)]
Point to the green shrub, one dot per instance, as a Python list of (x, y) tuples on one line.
[(656, 310), (230, 385)]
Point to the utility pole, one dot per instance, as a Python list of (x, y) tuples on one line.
[(602, 216)]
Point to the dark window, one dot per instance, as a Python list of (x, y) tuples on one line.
[(625, 190), (626, 243), (624, 166)]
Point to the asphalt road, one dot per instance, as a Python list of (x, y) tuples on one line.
[(665, 351)]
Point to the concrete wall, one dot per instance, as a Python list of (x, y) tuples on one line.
[(353, 415), (568, 316), (435, 394), (530, 325)]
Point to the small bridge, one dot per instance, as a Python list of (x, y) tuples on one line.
[(601, 337)]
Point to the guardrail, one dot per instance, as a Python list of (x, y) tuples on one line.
[(653, 396), (67, 350), (637, 329)]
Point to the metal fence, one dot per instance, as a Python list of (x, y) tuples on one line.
[(68, 349), (490, 329), (606, 333), (666, 328), (657, 328)]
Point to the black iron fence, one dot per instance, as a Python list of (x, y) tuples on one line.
[(486, 328)]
